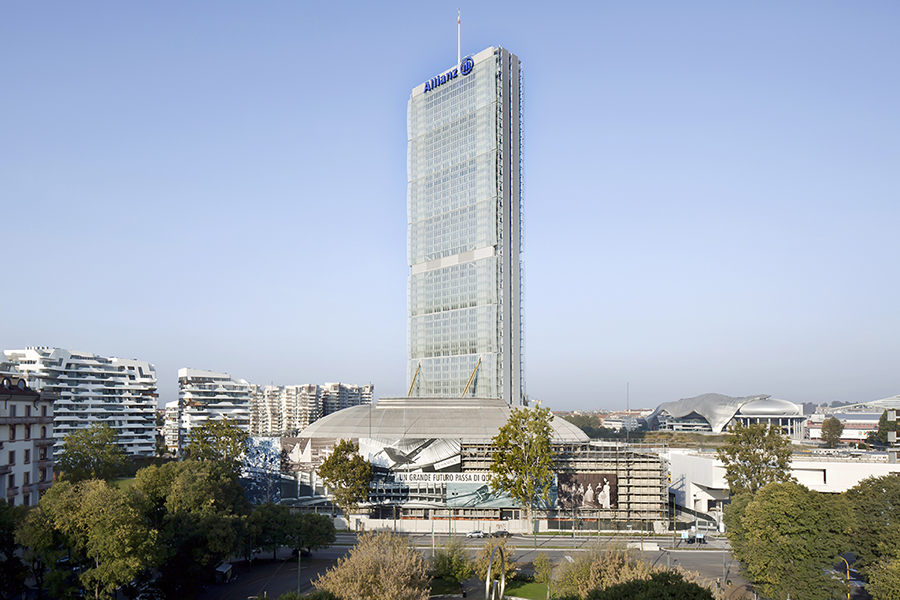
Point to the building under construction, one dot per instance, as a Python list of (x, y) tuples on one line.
[(432, 461)]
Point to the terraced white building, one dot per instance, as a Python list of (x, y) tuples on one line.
[(205, 396), (92, 389)]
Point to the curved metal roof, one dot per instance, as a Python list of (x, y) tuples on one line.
[(717, 409), (770, 407), (466, 419)]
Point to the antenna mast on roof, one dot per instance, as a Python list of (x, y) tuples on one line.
[(458, 45)]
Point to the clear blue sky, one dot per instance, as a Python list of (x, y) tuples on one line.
[(712, 190)]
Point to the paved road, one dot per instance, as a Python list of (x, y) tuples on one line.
[(275, 577)]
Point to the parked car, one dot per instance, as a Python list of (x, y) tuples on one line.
[(476, 534), (501, 534)]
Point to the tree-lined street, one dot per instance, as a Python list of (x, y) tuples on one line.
[(279, 576)]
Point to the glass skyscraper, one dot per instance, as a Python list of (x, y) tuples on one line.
[(465, 231)]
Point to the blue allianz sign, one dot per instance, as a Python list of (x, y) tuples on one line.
[(465, 67)]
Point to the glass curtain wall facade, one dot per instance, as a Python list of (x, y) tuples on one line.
[(465, 231)]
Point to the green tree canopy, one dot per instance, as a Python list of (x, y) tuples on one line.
[(663, 585), (100, 528), (13, 571), (451, 562), (788, 539), (598, 568), (382, 566), (221, 441), (754, 456), (200, 510), (884, 579), (875, 502), (483, 558), (269, 528), (522, 463), (43, 547), (880, 436), (91, 453), (347, 476), (311, 531), (832, 429)]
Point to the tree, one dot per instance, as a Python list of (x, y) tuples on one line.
[(663, 585), (543, 568), (347, 476), (832, 429), (311, 531), (314, 595), (754, 456), (382, 566), (598, 568), (13, 571), (269, 527), (884, 426), (42, 546), (91, 453), (221, 441), (101, 531), (451, 563), (522, 462), (790, 538), (483, 558), (884, 579), (200, 511), (875, 502), (733, 515)]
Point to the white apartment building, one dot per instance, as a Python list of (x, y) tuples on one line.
[(281, 409), (26, 439), (205, 396), (302, 406), (94, 389), (266, 410), (338, 396), (171, 424)]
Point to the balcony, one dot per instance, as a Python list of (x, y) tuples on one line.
[(22, 420), (5, 469), (41, 442), (43, 464), (13, 491), (43, 485)]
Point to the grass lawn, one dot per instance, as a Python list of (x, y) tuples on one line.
[(124, 484), (526, 589)]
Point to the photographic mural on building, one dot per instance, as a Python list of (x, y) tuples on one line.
[(261, 470), (407, 455), (588, 490)]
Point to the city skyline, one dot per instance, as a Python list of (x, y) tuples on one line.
[(711, 199)]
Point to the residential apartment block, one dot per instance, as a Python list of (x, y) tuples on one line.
[(290, 408), (26, 439), (205, 396), (94, 389)]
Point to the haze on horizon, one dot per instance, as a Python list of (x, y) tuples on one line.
[(712, 192)]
